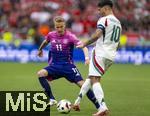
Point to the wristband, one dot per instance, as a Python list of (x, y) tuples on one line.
[(86, 58)]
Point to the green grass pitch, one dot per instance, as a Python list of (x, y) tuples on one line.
[(126, 87)]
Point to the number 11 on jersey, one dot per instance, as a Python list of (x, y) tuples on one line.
[(59, 47)]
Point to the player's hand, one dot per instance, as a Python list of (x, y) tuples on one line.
[(87, 61), (81, 45), (40, 53)]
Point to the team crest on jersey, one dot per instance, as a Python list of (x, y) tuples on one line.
[(65, 41), (53, 41)]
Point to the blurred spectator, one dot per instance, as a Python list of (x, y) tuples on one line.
[(7, 37), (123, 40), (31, 20), (40, 17), (43, 29)]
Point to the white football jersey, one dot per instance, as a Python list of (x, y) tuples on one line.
[(106, 45)]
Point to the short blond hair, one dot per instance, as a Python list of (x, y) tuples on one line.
[(59, 19)]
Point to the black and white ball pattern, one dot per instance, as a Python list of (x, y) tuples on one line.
[(64, 106)]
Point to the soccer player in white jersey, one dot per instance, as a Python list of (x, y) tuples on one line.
[(107, 37)]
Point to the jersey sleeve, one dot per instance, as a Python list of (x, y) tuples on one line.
[(102, 23), (48, 36), (75, 40)]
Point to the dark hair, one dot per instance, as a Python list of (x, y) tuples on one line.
[(105, 2)]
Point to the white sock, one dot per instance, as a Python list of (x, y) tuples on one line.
[(99, 94), (104, 106), (84, 89)]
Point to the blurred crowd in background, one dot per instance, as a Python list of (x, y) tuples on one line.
[(26, 22)]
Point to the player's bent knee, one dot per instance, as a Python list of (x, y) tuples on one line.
[(42, 73), (94, 79), (80, 83)]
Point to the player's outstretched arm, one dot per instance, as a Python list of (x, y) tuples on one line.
[(40, 52), (94, 37)]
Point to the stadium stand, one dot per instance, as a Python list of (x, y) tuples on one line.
[(28, 21)]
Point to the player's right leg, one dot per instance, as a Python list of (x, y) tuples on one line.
[(42, 74), (73, 75), (97, 68), (85, 89), (99, 94)]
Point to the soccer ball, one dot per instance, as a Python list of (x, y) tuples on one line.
[(64, 106)]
